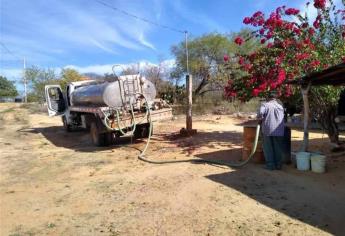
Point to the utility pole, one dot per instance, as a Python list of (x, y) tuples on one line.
[(24, 79), (189, 89)]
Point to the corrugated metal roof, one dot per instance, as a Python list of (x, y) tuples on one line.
[(334, 75)]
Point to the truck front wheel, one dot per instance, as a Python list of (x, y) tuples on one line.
[(66, 126)]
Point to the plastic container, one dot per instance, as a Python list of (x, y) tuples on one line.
[(318, 163), (303, 161)]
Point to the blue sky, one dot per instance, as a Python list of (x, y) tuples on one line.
[(91, 37)]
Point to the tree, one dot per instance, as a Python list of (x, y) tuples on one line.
[(7, 88), (206, 55), (67, 76), (130, 70), (292, 48), (38, 78)]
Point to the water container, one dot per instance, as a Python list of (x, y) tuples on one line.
[(318, 163), (303, 160)]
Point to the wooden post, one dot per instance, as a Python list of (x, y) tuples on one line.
[(305, 92), (188, 131), (189, 85)]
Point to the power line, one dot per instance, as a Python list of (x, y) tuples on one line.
[(141, 18), (9, 51)]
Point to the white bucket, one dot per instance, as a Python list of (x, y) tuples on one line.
[(303, 160), (318, 163)]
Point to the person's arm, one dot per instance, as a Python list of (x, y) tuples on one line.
[(261, 113)]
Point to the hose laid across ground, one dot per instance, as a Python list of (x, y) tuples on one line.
[(142, 154), (223, 163)]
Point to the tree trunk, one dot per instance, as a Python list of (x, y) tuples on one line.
[(327, 121), (202, 84)]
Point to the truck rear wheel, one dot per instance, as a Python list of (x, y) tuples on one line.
[(142, 131), (67, 127), (98, 138)]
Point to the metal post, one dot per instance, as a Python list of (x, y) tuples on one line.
[(25, 82), (187, 53)]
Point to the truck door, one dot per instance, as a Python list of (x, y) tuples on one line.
[(55, 100)]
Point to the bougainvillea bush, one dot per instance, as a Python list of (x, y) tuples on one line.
[(293, 44)]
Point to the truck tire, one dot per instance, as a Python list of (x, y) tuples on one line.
[(97, 138), (67, 127), (109, 138), (142, 131)]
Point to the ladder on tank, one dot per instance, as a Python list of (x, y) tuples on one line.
[(130, 90)]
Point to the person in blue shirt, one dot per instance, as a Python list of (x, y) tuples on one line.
[(271, 115)]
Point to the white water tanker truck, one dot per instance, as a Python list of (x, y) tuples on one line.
[(126, 106)]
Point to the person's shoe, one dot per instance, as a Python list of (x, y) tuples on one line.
[(278, 167), (268, 168)]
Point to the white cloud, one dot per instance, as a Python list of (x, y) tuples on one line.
[(106, 49), (144, 42), (46, 30), (102, 69)]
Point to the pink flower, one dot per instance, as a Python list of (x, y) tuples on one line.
[(241, 60), (274, 85), (255, 92), (297, 31), (279, 61), (262, 86), (304, 25), (263, 41), (316, 24), (311, 31), (247, 20), (307, 41), (257, 14), (269, 35), (302, 56), (320, 4), (315, 63), (226, 58), (291, 11), (281, 76), (238, 40)]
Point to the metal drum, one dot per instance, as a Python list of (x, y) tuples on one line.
[(114, 94)]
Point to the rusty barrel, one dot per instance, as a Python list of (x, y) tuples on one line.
[(249, 132)]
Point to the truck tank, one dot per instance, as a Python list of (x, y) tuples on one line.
[(114, 94)]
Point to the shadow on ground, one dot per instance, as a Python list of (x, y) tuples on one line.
[(78, 140), (304, 196)]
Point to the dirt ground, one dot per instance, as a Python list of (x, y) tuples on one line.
[(57, 183)]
